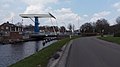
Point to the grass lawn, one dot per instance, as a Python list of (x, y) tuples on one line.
[(42, 57), (111, 39)]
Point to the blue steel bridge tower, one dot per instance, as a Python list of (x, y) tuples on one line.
[(36, 21)]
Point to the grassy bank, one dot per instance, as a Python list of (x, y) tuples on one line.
[(111, 39), (42, 57)]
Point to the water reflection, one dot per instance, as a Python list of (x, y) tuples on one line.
[(37, 46), (11, 53)]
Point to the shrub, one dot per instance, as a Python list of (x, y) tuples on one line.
[(117, 34), (88, 34)]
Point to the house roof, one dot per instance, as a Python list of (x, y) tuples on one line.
[(8, 24)]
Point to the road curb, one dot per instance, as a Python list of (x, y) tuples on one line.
[(61, 61)]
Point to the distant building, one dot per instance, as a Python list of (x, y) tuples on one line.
[(63, 30), (10, 32), (8, 27), (77, 32), (51, 29), (28, 29)]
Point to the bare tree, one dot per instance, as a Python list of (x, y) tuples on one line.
[(102, 25), (118, 20), (87, 28), (19, 24), (73, 27), (117, 26), (70, 27), (62, 29)]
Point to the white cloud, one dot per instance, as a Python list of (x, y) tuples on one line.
[(85, 15), (37, 6), (117, 6), (8, 1), (6, 5), (99, 15), (8, 9), (34, 9), (102, 14), (9, 17), (68, 1), (65, 15), (39, 2)]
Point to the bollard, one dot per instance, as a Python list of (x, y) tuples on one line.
[(70, 36), (43, 43)]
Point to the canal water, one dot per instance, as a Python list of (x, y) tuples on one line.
[(11, 53)]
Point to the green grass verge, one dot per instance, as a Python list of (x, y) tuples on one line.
[(42, 57), (111, 39)]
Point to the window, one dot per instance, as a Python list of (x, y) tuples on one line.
[(7, 27)]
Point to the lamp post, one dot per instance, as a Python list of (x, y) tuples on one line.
[(78, 20)]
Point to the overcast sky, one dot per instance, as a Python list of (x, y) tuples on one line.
[(66, 11)]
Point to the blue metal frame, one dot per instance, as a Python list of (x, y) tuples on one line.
[(36, 30)]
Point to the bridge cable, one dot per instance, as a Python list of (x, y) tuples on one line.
[(57, 25), (53, 26)]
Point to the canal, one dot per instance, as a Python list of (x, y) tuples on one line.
[(11, 53)]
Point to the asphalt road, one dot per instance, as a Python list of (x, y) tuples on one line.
[(92, 52)]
